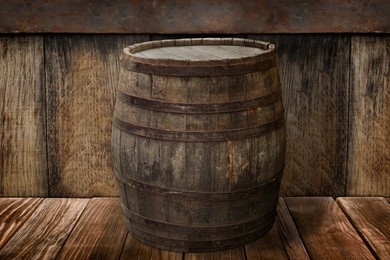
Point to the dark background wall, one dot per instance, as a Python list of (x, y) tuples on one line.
[(57, 94)]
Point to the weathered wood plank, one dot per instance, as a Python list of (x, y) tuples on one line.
[(269, 246), (289, 234), (44, 233), (23, 166), (13, 213), (133, 249), (81, 77), (231, 254), (201, 16), (314, 71), (325, 229), (371, 218), (99, 234), (369, 153)]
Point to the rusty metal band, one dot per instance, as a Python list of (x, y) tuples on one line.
[(198, 136), (202, 196), (137, 219), (198, 70), (200, 245), (185, 108)]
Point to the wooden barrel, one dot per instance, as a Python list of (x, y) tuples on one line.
[(198, 142)]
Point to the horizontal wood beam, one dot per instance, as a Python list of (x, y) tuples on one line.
[(194, 16)]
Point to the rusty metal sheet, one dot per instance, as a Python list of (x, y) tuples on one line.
[(194, 16)]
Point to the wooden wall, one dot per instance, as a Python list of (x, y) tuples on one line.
[(57, 94)]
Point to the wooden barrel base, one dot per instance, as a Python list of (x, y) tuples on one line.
[(200, 246)]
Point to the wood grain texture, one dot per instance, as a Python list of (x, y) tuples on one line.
[(81, 78), (192, 183), (43, 234), (231, 254), (369, 153), (314, 79), (314, 71), (269, 246), (23, 165), (371, 218), (13, 213), (289, 233), (325, 230), (133, 249), (201, 16), (102, 218)]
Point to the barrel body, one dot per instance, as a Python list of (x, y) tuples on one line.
[(198, 146)]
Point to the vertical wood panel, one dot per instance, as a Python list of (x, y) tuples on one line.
[(81, 77), (23, 170), (81, 73), (314, 71), (369, 152)]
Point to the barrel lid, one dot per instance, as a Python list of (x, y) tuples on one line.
[(198, 56)]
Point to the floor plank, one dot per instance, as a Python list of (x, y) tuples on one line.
[(13, 213), (325, 230), (50, 231), (269, 246), (231, 254), (133, 249), (371, 217), (99, 234), (289, 234), (43, 234)]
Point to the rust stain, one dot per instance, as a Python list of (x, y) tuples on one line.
[(229, 174)]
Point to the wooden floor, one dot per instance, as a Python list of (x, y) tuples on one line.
[(317, 228)]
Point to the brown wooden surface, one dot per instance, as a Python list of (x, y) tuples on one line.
[(314, 73), (13, 213), (201, 16), (22, 117), (93, 229), (369, 153), (81, 77), (102, 218), (170, 214), (133, 249), (269, 246), (44, 233), (289, 234), (325, 230), (318, 116), (231, 254), (371, 218)]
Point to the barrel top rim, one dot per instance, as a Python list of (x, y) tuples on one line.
[(131, 53)]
